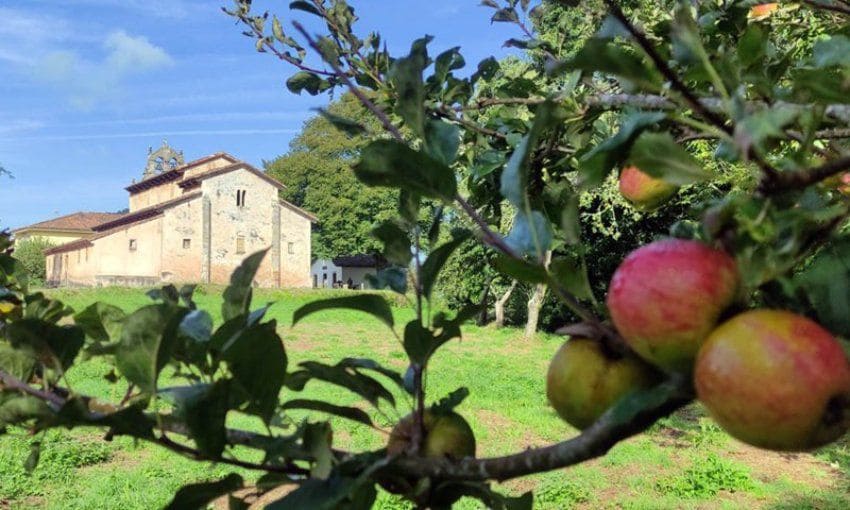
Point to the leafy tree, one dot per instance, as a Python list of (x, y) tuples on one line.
[(763, 226), (317, 177), (30, 252)]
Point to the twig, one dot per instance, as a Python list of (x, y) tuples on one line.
[(194, 454), (595, 441), (828, 7), (802, 178), (377, 112)]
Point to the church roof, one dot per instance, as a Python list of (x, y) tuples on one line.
[(177, 173), (123, 221), (78, 222), (196, 179)]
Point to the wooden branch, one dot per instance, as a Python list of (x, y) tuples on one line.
[(800, 179), (841, 9), (595, 441)]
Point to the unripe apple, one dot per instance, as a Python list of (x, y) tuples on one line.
[(775, 379), (584, 381), (762, 11), (642, 190), (667, 296), (446, 435)]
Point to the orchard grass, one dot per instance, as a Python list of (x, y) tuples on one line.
[(685, 461)]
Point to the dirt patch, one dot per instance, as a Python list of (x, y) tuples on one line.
[(769, 466)]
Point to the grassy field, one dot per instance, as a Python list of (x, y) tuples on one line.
[(684, 462)]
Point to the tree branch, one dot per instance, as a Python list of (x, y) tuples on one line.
[(841, 9), (802, 178), (614, 426)]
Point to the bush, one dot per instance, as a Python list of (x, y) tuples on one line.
[(30, 252)]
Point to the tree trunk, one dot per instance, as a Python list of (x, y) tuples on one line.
[(535, 303), (500, 305), (484, 315)]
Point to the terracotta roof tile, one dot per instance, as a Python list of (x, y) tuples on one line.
[(81, 221)]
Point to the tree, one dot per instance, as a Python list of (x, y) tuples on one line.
[(317, 178), (30, 252), (762, 95)]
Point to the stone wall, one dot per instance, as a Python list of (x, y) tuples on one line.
[(115, 256), (295, 266), (182, 242)]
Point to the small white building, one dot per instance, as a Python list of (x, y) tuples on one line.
[(346, 272)]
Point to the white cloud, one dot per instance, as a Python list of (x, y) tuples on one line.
[(89, 81)]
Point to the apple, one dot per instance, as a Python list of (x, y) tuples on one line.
[(446, 435), (642, 190), (584, 381), (667, 296), (762, 11), (776, 380)]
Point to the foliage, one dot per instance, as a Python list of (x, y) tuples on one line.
[(521, 156), (706, 478), (30, 252), (317, 178)]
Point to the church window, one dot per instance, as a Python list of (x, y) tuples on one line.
[(133, 245), (240, 245), (187, 243), (290, 248), (240, 197)]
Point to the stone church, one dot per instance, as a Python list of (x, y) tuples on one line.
[(187, 223)]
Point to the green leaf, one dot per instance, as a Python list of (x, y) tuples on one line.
[(571, 272), (199, 495), (347, 377), (147, 339), (167, 294), (318, 494), (442, 141), (834, 51), (660, 156), (347, 126), (448, 403), (432, 266), (406, 77), (596, 164), (752, 46), (505, 16), (258, 361), (521, 270), (16, 409), (101, 322), (303, 80), (368, 364), (392, 164), (203, 408), (301, 5), (18, 362), (32, 459), (129, 421), (350, 413), (418, 342), (530, 234), (374, 305), (197, 325), (237, 296), (610, 58), (763, 125), (396, 242), (393, 278), (55, 346), (826, 283), (514, 181)]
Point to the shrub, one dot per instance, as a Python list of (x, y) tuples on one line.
[(706, 478), (30, 252)]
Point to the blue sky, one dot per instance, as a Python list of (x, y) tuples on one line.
[(86, 86)]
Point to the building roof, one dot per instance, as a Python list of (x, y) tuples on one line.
[(124, 221), (177, 173), (294, 208), (78, 222), (196, 179), (360, 260)]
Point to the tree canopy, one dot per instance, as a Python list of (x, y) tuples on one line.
[(317, 175)]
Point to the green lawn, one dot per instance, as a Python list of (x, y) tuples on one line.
[(685, 462)]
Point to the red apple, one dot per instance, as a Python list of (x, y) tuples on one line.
[(642, 190), (583, 381), (446, 435), (775, 379), (667, 296), (762, 11)]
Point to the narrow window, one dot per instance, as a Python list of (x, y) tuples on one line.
[(132, 245), (238, 198), (290, 247), (243, 197), (240, 245), (187, 243)]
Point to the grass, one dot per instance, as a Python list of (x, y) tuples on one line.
[(685, 461)]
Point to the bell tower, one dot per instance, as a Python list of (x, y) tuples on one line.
[(162, 160)]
